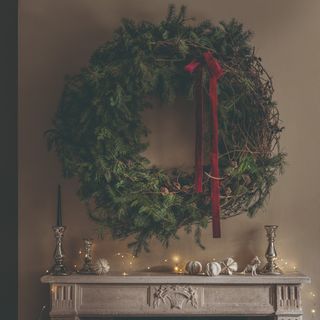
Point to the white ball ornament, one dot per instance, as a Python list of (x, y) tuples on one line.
[(193, 267), (213, 269), (102, 266), (229, 266)]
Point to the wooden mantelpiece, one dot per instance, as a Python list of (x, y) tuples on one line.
[(140, 294)]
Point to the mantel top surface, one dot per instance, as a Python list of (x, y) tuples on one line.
[(167, 278)]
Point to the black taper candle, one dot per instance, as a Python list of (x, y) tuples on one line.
[(59, 213)]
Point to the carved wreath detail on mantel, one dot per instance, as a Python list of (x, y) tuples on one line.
[(176, 296)]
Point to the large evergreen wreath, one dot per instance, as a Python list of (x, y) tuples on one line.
[(99, 135)]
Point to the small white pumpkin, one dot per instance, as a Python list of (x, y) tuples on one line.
[(193, 267), (213, 269), (101, 266), (229, 266)]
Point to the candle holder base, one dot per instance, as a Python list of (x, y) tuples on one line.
[(271, 270), (86, 271), (59, 271)]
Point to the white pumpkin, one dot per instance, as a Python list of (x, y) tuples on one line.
[(193, 267), (213, 269), (229, 266)]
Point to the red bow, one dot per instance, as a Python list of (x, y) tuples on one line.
[(216, 72)]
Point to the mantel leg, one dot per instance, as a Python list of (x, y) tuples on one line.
[(288, 302), (63, 302)]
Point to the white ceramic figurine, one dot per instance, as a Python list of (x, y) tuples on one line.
[(252, 266)]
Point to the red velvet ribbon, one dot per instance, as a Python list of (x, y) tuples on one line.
[(215, 71)]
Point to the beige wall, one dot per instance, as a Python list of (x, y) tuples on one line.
[(57, 38)]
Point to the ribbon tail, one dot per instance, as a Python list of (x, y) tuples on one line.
[(199, 134), (215, 183)]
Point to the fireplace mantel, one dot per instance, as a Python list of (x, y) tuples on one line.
[(77, 297)]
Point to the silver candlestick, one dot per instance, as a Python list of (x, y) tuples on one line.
[(58, 268), (87, 266), (271, 267)]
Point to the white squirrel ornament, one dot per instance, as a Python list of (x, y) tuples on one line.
[(252, 266)]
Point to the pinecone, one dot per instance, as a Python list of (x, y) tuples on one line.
[(246, 178), (164, 190), (177, 185), (186, 188), (234, 164), (228, 191)]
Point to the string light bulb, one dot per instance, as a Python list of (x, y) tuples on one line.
[(176, 258)]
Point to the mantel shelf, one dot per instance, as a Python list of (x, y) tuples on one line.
[(76, 296), (152, 277)]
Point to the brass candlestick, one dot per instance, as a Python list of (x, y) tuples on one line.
[(87, 266), (271, 267), (58, 269)]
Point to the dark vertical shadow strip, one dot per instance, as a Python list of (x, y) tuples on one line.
[(8, 159)]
